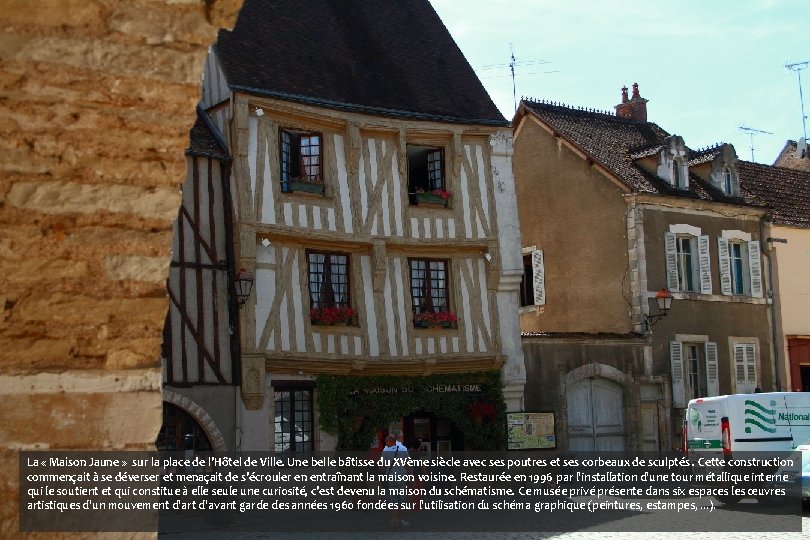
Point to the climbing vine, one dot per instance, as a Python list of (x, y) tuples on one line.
[(355, 408)]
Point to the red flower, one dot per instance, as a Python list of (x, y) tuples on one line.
[(331, 315), (435, 317), (444, 194)]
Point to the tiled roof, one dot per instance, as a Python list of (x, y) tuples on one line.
[(704, 155), (386, 57), (203, 139), (785, 191), (615, 143)]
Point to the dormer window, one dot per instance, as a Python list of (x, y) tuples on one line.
[(727, 183), (672, 165), (676, 175)]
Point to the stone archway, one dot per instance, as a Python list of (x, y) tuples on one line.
[(201, 416)]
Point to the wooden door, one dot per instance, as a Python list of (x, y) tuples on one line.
[(595, 416)]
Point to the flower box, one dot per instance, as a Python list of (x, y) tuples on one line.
[(332, 316), (300, 185), (438, 197), (434, 319)]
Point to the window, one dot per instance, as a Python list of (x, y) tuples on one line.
[(694, 370), (676, 174), (745, 367), (727, 184), (425, 168), (688, 263), (293, 420), (685, 268), (429, 291), (735, 259), (740, 268), (533, 284), (328, 281), (300, 158)]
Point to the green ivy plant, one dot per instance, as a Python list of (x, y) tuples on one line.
[(350, 409)]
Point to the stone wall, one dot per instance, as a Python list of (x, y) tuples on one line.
[(96, 100)]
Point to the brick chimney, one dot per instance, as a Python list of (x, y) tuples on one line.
[(634, 108)]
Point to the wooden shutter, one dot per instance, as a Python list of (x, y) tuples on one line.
[(671, 248), (745, 367), (712, 379), (538, 277), (751, 366), (725, 266), (676, 363), (704, 257), (755, 268)]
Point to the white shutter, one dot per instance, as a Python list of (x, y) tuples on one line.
[(676, 363), (755, 268), (725, 266), (745, 367), (671, 248), (704, 257), (712, 378), (751, 366), (539, 278)]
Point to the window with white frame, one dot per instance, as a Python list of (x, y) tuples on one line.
[(694, 370), (739, 263), (688, 264), (533, 285), (745, 367)]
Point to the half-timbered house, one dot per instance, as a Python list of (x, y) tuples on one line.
[(372, 196)]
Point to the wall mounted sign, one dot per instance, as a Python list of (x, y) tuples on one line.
[(530, 430)]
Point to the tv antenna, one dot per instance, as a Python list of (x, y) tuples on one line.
[(798, 67), (514, 65), (752, 132)]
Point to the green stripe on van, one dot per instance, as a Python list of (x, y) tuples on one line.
[(698, 444)]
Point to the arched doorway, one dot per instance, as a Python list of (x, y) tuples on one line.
[(180, 431), (595, 415)]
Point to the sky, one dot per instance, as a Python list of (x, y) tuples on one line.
[(707, 67)]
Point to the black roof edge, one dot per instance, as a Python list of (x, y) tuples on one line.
[(309, 100), (212, 127)]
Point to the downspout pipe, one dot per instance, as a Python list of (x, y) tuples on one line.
[(775, 341)]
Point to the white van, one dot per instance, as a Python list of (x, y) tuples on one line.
[(768, 422)]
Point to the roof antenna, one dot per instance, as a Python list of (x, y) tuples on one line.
[(798, 67), (512, 69), (752, 132)]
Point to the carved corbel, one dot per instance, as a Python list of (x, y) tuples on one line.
[(379, 268), (429, 367), (493, 258), (253, 381)]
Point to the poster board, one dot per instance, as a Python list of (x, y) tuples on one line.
[(530, 430)]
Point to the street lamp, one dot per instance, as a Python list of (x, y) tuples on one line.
[(664, 300), (243, 285)]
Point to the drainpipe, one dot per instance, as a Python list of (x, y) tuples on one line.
[(776, 343)]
